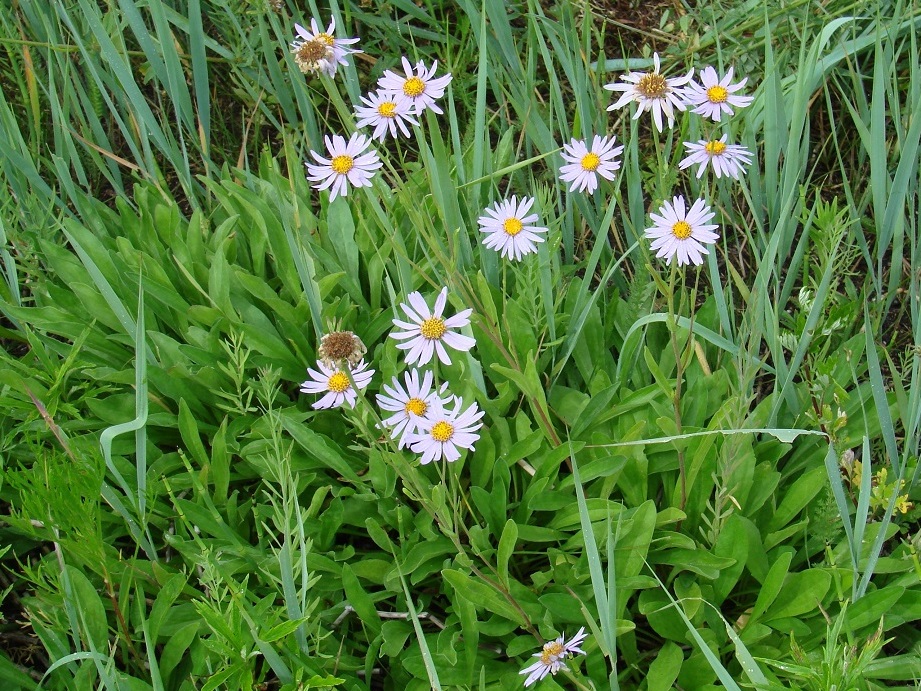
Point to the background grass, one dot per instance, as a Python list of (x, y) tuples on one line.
[(666, 470)]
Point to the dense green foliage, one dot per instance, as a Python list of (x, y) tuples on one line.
[(710, 469)]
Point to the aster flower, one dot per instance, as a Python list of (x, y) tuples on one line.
[(320, 51), (443, 432), (682, 233), (428, 332), (347, 164), (552, 656), (341, 345), (726, 159), (507, 227), (385, 111), (652, 92), (417, 86), (410, 404), (715, 96), (335, 382), (585, 164)]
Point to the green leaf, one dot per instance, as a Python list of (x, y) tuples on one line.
[(797, 497), (869, 609), (360, 601), (220, 464), (90, 609), (14, 678), (326, 682), (506, 550), (169, 591), (318, 447), (188, 428), (379, 535), (771, 586), (340, 227), (801, 593), (482, 596), (663, 671), (178, 647), (279, 631), (732, 543), (219, 284)]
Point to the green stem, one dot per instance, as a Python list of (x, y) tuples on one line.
[(679, 374)]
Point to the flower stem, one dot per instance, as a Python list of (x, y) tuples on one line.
[(679, 375)]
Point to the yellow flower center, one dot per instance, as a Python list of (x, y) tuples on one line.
[(325, 38), (512, 226), (551, 652), (715, 148), (416, 406), (433, 328), (413, 87), (311, 51), (442, 431), (717, 94), (652, 85), (339, 382), (342, 164), (387, 109), (591, 161), (682, 230)]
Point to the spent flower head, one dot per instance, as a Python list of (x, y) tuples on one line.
[(335, 383), (347, 164), (508, 227), (584, 164), (427, 332), (653, 92), (552, 655), (443, 432), (418, 85), (726, 159), (410, 404), (320, 51), (385, 111), (715, 96), (681, 232), (341, 345)]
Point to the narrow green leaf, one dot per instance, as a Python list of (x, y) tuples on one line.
[(360, 601), (282, 630), (482, 595), (506, 550), (771, 586)]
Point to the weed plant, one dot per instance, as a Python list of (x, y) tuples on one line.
[(608, 471)]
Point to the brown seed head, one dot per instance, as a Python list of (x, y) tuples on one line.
[(309, 53), (341, 345)]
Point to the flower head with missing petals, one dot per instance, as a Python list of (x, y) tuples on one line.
[(727, 159), (681, 232), (341, 345), (347, 164), (584, 164), (552, 656), (410, 404), (336, 384), (508, 228), (443, 432), (715, 96), (653, 92), (428, 332), (320, 51), (419, 86), (385, 111)]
